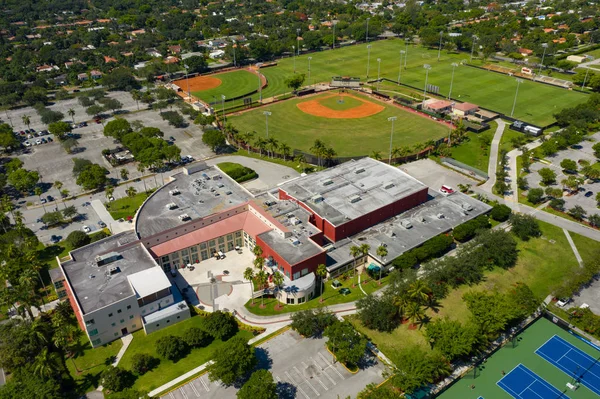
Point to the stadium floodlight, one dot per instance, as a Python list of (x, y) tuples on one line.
[(267, 114), (333, 48), (402, 52), (545, 46), (587, 70), (391, 119), (233, 47), (406, 52), (454, 65), (427, 68), (368, 59), (519, 81), (367, 35), (440, 48), (298, 40), (475, 38), (187, 80), (294, 55), (378, 72), (223, 104), (309, 58)]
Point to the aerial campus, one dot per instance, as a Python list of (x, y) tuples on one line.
[(299, 199)]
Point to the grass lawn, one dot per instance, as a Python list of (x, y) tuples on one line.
[(536, 102), (288, 162), (237, 172), (91, 363), (473, 151), (596, 166), (331, 296), (126, 206), (233, 84), (348, 137), (168, 370), (506, 143)]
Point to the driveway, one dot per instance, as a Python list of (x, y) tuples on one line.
[(301, 367)]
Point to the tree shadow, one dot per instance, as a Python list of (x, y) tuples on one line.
[(367, 361), (264, 359), (285, 390)]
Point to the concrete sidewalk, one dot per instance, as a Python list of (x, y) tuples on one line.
[(114, 226), (493, 162)]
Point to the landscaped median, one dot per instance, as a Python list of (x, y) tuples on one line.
[(237, 172), (126, 207)]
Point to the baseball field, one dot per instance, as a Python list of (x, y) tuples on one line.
[(209, 88), (351, 123)]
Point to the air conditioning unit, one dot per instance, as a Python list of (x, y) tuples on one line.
[(184, 217), (317, 198), (354, 198), (171, 206), (467, 207), (359, 171), (174, 192), (388, 185), (406, 224)]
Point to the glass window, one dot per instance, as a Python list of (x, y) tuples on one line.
[(165, 259), (238, 242), (133, 326), (290, 301), (194, 249), (238, 233), (113, 324), (195, 258), (301, 300), (122, 321), (93, 332), (62, 294), (221, 240), (90, 321), (184, 252), (304, 272), (96, 342), (58, 284), (296, 276), (204, 255), (130, 317), (287, 274), (211, 243), (202, 245), (229, 237), (110, 315), (116, 334), (128, 307)]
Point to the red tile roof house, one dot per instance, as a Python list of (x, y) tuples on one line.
[(438, 106), (525, 52), (464, 109), (95, 74)]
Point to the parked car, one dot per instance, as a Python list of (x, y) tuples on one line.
[(171, 138), (589, 194), (38, 141), (86, 229), (82, 124), (101, 224), (50, 198), (55, 238), (50, 139), (27, 144)]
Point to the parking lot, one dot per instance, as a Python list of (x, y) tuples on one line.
[(301, 367)]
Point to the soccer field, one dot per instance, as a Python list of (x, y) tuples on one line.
[(209, 88), (357, 126), (536, 102), (525, 370)]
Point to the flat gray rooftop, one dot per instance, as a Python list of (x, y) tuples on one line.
[(202, 193), (352, 189), (299, 246), (93, 286), (436, 216)]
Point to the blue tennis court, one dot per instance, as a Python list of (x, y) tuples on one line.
[(522, 383), (573, 361)]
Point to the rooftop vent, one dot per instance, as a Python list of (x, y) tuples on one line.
[(113, 270), (105, 259), (174, 192), (172, 205), (388, 185), (406, 224), (295, 221), (228, 193), (327, 182), (317, 198), (354, 198), (294, 241), (359, 171), (466, 207), (184, 217), (440, 215)]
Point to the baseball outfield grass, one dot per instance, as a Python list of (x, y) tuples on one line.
[(348, 137), (536, 102), (233, 84)]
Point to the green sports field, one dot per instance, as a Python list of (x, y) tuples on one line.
[(508, 357), (536, 102), (233, 84), (348, 137)]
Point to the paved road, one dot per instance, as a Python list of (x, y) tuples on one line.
[(493, 163)]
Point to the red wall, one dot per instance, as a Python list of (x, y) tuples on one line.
[(268, 251), (73, 303), (310, 263)]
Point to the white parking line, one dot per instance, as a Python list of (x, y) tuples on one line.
[(195, 390), (309, 384), (183, 392), (316, 378), (297, 385), (326, 375), (171, 395), (205, 384)]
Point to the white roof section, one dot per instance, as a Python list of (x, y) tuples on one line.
[(149, 281)]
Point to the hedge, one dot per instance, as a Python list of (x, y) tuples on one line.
[(431, 249), (238, 172), (467, 230)]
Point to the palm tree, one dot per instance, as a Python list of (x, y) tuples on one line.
[(262, 278), (277, 281), (328, 154), (58, 185), (248, 137), (26, 120), (249, 275), (131, 192), (136, 95), (418, 148), (382, 253), (317, 149), (124, 174), (301, 160), (419, 292), (364, 251), (70, 212), (376, 155), (109, 191), (272, 145), (415, 313), (141, 168), (71, 113), (38, 191), (401, 302), (64, 193), (321, 272), (430, 145), (285, 150), (354, 252), (261, 144)]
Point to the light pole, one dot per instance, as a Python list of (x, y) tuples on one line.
[(519, 81), (475, 38), (368, 19), (309, 58), (187, 80), (545, 46), (333, 48), (402, 52), (454, 65), (294, 55), (406, 53), (223, 105), (259, 86), (427, 68), (440, 47), (378, 72), (233, 46), (391, 119), (266, 114), (298, 40), (585, 79), (368, 59)]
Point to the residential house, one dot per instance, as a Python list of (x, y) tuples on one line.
[(464, 109), (108, 59), (152, 52), (82, 77), (95, 74), (176, 49), (525, 52), (437, 106)]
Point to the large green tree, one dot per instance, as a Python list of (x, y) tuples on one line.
[(23, 180), (260, 385), (92, 177), (346, 343), (234, 361), (452, 339)]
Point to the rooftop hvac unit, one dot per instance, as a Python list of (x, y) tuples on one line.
[(294, 241), (359, 171), (406, 224), (355, 198), (295, 221), (327, 182), (105, 259), (113, 270), (440, 215), (184, 217), (171, 205), (317, 198), (220, 185), (228, 193), (467, 207), (174, 192), (388, 185)]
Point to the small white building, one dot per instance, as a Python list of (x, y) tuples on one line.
[(577, 58), (216, 54)]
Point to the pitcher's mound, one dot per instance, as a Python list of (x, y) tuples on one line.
[(318, 107)]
